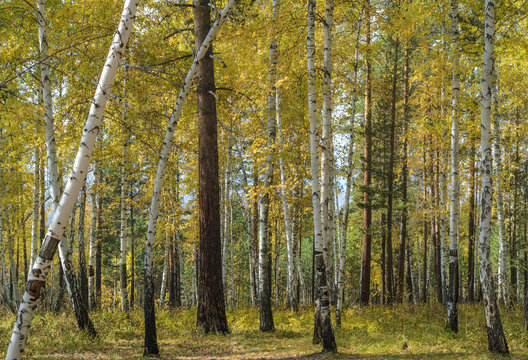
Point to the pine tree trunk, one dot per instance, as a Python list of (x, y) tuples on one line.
[(367, 212), (327, 333), (211, 305), (496, 339), (98, 234), (424, 222), (348, 188), (390, 274), (132, 259), (41, 267)]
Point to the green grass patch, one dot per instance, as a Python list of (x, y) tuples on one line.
[(366, 333)]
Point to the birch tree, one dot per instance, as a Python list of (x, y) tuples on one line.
[(452, 313), (42, 265), (327, 333), (504, 286), (496, 339), (266, 316)]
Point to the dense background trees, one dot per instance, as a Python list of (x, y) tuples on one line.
[(389, 80)]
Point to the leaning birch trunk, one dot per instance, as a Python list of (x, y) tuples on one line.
[(151, 345), (327, 156), (496, 339), (348, 189), (290, 264), (73, 289), (327, 333), (504, 286), (41, 267), (123, 230)]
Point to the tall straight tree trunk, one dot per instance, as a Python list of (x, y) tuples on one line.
[(403, 225), (123, 228), (327, 153), (496, 339), (348, 189), (266, 316), (210, 318), (452, 312), (41, 267), (163, 285), (80, 311), (288, 228), (91, 253), (327, 333), (471, 224), (132, 259), (390, 271), (504, 286), (98, 232), (424, 224), (36, 199), (364, 295), (83, 276), (211, 306)]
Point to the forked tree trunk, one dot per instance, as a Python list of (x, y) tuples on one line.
[(41, 267), (496, 339), (327, 333)]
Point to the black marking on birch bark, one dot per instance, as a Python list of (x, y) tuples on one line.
[(33, 288), (49, 247)]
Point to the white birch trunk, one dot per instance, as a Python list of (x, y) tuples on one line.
[(41, 267), (327, 158), (504, 286), (327, 334), (266, 317), (163, 159), (36, 199), (454, 188), (496, 339), (290, 264), (123, 230)]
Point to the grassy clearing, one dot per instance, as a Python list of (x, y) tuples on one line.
[(367, 333)]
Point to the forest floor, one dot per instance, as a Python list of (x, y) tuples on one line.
[(366, 333)]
